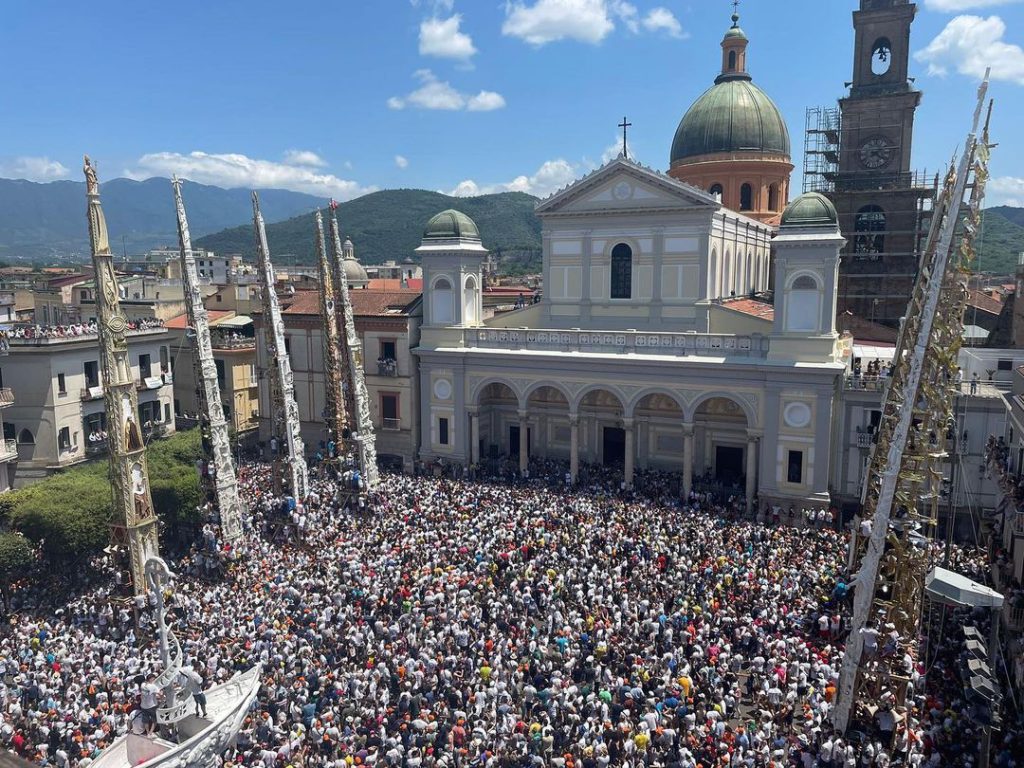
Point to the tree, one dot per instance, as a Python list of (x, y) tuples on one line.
[(16, 555)]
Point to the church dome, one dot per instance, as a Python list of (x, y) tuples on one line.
[(355, 273), (811, 209), (734, 115), (451, 225)]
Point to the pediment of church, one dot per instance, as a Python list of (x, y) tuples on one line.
[(623, 185)]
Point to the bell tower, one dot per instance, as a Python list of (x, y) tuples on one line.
[(880, 200)]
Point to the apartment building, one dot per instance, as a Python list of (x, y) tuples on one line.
[(234, 353), (388, 324), (61, 420)]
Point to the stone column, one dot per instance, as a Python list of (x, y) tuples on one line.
[(474, 435), (753, 439), (574, 446), (630, 451), (524, 450), (687, 458)]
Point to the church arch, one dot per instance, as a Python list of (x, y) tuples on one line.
[(704, 404), (869, 231), (717, 189), (751, 273), (442, 301), (25, 437), (881, 56), (746, 197), (803, 303), (732, 61), (621, 272), (600, 395), (804, 281), (538, 388), (656, 399), (490, 388), (773, 197)]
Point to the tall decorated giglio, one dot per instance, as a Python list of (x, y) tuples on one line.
[(366, 447), (133, 522), (335, 413), (220, 469), (284, 411)]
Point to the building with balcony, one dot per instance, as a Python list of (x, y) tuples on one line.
[(1005, 524), (388, 324), (234, 353), (8, 447), (60, 418), (859, 413)]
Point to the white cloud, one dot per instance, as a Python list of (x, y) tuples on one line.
[(955, 6), (304, 157), (539, 22), (401, 162), (614, 149), (663, 20), (485, 101), (1005, 190), (237, 170), (969, 44), (546, 21), (33, 169), (551, 176), (442, 38), (438, 6), (437, 94)]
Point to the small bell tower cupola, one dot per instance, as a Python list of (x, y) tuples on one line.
[(452, 257), (734, 52)]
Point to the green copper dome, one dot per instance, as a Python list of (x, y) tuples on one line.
[(451, 225), (734, 115), (811, 209)]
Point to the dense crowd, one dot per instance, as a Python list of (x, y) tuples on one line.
[(484, 623), (73, 330)]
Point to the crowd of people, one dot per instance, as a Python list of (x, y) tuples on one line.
[(492, 623), (73, 330)]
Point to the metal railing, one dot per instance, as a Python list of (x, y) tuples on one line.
[(97, 448), (864, 439), (218, 341), (621, 342), (387, 368), (865, 383), (6, 396), (9, 449), (391, 423)]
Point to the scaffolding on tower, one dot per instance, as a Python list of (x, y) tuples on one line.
[(904, 480), (218, 479), (290, 463), (822, 131), (361, 424)]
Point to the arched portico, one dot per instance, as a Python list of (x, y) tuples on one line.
[(724, 443), (495, 408)]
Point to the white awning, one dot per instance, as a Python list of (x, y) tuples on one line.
[(869, 352), (951, 588), (234, 322)]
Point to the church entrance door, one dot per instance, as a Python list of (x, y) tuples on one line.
[(614, 446), (513, 441), (728, 464)]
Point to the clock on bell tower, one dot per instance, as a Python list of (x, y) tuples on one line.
[(879, 199)]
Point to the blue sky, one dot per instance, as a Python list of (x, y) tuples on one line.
[(345, 96)]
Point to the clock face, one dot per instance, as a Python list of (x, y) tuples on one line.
[(875, 152)]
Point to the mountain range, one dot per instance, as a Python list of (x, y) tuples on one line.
[(389, 225), (47, 221)]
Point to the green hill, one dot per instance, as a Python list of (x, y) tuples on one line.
[(1001, 240), (389, 224)]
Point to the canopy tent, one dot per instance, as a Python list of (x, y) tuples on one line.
[(238, 321), (950, 588)]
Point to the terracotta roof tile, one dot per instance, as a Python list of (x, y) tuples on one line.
[(984, 302), (753, 307), (365, 303), (180, 322)]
